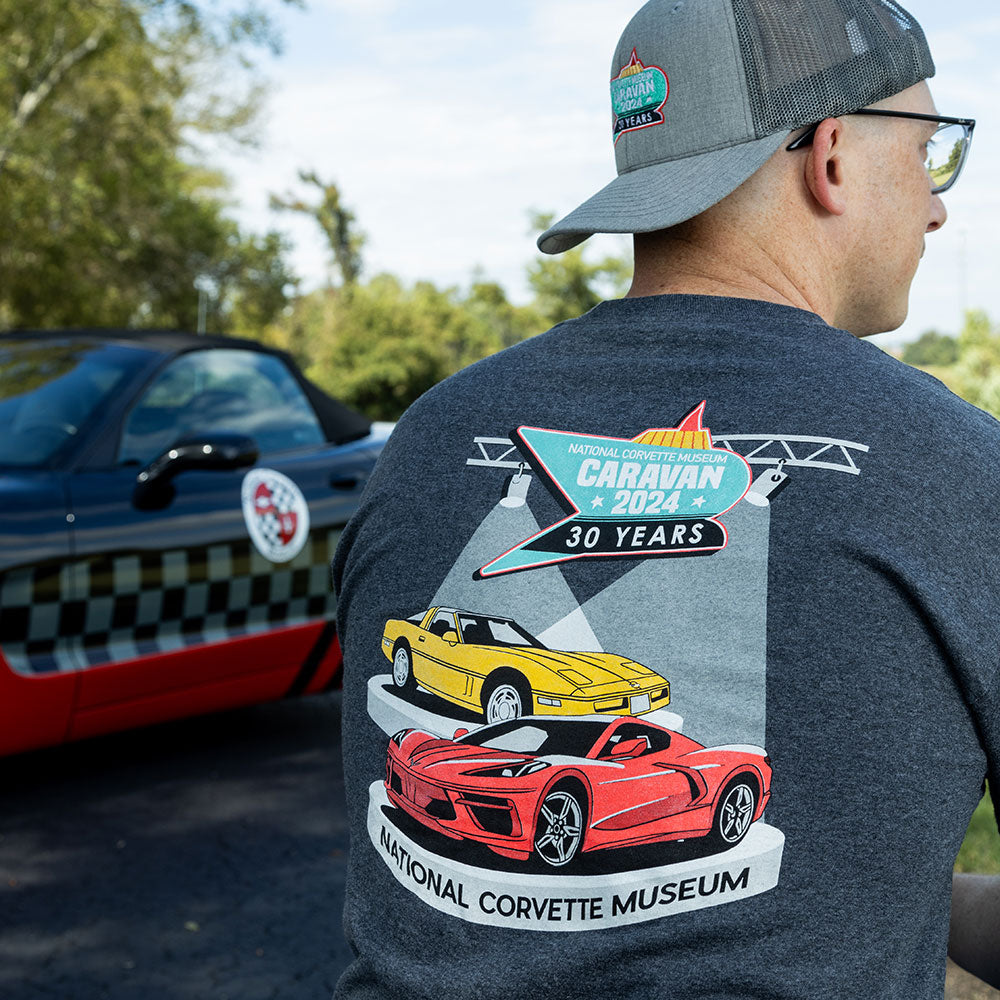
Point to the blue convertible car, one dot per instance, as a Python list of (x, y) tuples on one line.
[(169, 505)]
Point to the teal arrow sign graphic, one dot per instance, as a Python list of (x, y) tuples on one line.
[(659, 494)]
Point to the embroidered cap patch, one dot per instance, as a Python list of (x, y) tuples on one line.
[(638, 94)]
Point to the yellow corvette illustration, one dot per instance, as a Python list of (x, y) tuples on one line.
[(495, 667)]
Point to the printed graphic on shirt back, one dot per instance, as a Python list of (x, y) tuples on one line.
[(659, 494), (558, 762)]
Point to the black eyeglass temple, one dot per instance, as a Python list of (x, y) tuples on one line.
[(941, 119), (804, 139), (968, 123)]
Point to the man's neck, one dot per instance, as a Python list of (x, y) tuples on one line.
[(741, 287), (679, 263)]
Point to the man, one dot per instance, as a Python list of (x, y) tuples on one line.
[(671, 635)]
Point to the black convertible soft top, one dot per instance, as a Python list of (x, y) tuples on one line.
[(339, 422)]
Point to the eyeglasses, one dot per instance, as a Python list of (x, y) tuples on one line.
[(946, 152)]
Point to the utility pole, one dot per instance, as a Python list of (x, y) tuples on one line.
[(202, 284)]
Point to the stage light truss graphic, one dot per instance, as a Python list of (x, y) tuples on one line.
[(789, 450)]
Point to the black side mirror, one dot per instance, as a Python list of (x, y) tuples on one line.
[(211, 452)]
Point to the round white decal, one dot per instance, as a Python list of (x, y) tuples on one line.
[(276, 514)]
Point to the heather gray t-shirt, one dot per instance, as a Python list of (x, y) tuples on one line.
[(671, 643)]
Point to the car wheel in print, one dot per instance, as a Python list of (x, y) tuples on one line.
[(506, 696), (402, 668), (559, 829), (734, 813)]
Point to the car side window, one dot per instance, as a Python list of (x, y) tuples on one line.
[(655, 739), (220, 390), (475, 631), (443, 622)]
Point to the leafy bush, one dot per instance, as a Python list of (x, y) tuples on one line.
[(981, 849), (931, 349)]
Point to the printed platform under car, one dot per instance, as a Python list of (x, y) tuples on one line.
[(552, 901)]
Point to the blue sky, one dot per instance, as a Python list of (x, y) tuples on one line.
[(445, 123)]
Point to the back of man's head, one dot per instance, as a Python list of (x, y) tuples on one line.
[(704, 92)]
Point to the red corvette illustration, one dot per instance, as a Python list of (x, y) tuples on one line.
[(554, 788)]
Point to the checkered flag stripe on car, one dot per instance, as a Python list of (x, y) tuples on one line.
[(64, 616)]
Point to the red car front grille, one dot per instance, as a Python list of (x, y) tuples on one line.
[(427, 797)]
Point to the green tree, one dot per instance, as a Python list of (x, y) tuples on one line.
[(337, 223), (945, 170), (384, 344), (48, 45), (488, 303), (381, 344), (976, 374), (568, 284), (931, 349), (254, 281), (104, 219)]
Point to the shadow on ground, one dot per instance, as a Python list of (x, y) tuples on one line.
[(200, 858)]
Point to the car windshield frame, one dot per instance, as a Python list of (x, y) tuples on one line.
[(572, 736), (87, 377), (483, 621)]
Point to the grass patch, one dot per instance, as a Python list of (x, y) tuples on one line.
[(981, 848)]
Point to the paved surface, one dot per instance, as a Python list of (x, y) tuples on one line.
[(962, 986), (199, 859), (202, 859)]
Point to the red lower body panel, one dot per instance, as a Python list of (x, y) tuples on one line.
[(214, 697), (42, 711), (34, 711)]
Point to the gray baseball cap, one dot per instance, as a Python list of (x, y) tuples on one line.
[(704, 92)]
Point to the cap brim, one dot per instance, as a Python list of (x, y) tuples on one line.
[(661, 195)]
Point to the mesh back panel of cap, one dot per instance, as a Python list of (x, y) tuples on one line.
[(807, 60)]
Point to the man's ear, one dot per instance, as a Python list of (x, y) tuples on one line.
[(824, 169)]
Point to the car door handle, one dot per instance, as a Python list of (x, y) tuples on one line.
[(420, 638), (344, 482)]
